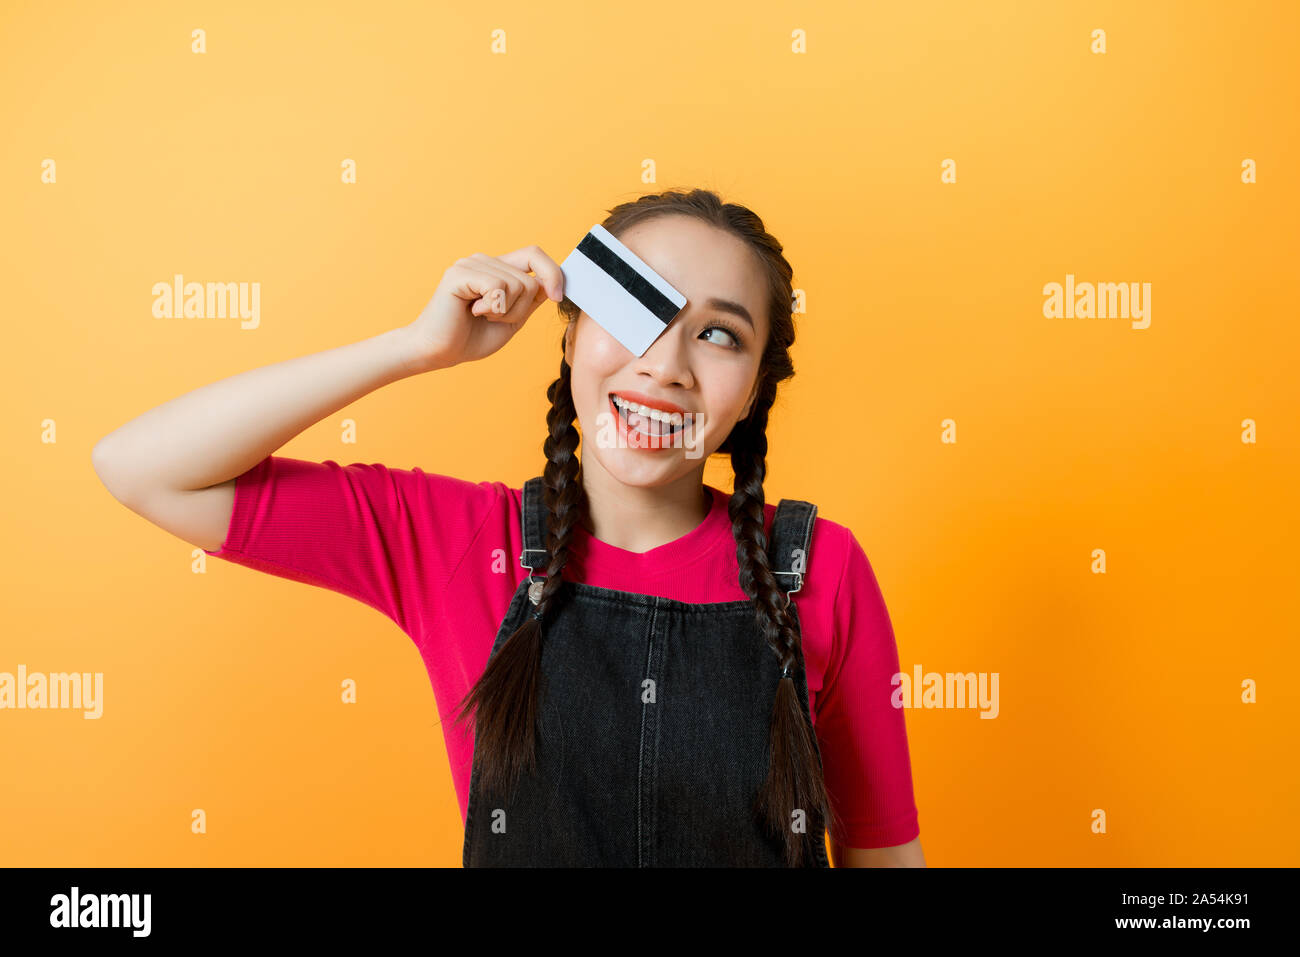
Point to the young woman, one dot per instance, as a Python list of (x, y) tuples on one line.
[(641, 669)]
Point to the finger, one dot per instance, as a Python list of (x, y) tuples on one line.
[(530, 284), (486, 289), (534, 259), (519, 288), (539, 292), (474, 285)]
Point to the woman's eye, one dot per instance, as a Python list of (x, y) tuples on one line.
[(735, 341)]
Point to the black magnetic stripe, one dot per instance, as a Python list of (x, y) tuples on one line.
[(660, 305)]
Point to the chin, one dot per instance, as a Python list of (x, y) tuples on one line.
[(638, 469)]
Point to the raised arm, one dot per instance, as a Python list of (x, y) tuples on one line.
[(176, 464)]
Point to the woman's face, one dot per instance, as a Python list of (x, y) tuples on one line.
[(705, 362)]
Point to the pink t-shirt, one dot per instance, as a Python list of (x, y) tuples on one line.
[(440, 557)]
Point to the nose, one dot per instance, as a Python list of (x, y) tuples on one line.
[(666, 360)]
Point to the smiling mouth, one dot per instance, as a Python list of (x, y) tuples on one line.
[(644, 424)]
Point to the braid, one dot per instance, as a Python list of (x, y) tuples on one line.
[(505, 700), (795, 780)]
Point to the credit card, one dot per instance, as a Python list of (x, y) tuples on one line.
[(614, 286)]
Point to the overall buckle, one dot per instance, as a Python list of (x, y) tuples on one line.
[(534, 587), (798, 584)]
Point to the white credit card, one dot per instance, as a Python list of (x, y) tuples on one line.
[(610, 283)]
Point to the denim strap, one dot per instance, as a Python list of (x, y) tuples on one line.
[(790, 541)]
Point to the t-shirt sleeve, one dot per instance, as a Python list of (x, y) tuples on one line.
[(390, 538), (865, 754)]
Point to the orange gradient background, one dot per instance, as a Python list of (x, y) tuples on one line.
[(1119, 692)]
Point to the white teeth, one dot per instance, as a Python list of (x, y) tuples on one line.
[(668, 418)]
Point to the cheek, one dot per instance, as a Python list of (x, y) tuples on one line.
[(597, 358), (731, 392), (590, 375), (598, 349)]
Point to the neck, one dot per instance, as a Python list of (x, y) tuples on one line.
[(638, 518)]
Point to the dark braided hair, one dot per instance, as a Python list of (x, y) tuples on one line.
[(505, 699)]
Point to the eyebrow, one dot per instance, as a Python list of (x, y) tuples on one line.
[(726, 305)]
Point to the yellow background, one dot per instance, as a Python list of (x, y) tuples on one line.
[(1119, 691)]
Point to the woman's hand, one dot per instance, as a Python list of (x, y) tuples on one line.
[(481, 302)]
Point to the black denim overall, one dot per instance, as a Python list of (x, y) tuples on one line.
[(653, 725)]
